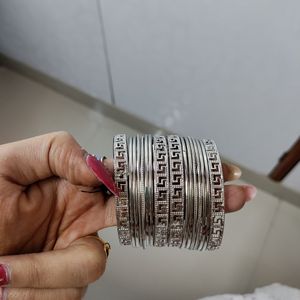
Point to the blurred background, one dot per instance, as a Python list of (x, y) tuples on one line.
[(227, 70)]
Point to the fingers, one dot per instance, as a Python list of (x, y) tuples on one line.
[(59, 154), (76, 266), (38, 158), (236, 196), (45, 294)]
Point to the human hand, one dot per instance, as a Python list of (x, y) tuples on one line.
[(43, 208)]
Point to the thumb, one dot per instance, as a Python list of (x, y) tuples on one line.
[(54, 154)]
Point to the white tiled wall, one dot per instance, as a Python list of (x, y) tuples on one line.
[(199, 66), (192, 66), (60, 38), (261, 243)]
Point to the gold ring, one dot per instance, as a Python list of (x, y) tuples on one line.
[(106, 245)]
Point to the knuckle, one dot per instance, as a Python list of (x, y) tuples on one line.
[(33, 273), (63, 135)]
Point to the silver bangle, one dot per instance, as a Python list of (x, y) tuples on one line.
[(176, 191), (151, 190), (190, 199), (141, 184), (161, 191), (131, 189), (197, 194), (171, 192), (217, 210), (122, 205), (206, 197), (186, 192)]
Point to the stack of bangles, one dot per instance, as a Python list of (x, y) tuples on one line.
[(171, 192)]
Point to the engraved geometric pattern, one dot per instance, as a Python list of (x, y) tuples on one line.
[(161, 191), (176, 191), (217, 212), (120, 171), (171, 192)]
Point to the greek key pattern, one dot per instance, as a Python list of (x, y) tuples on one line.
[(217, 211), (120, 171), (161, 191), (176, 191)]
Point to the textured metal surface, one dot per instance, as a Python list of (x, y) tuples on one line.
[(174, 195), (122, 205)]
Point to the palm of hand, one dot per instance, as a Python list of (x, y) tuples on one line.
[(49, 214)]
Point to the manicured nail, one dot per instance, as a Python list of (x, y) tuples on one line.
[(234, 172), (251, 191), (101, 173), (4, 275)]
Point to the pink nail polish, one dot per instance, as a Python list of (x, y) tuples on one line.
[(4, 275), (101, 173)]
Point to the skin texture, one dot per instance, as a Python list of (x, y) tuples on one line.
[(43, 207)]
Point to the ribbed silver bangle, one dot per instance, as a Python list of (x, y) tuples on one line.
[(131, 190), (141, 184), (197, 193), (149, 197), (201, 172), (186, 193), (171, 192)]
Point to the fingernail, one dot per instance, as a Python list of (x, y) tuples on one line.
[(4, 275), (251, 191), (234, 172), (100, 171)]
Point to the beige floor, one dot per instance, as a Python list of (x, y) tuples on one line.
[(261, 244)]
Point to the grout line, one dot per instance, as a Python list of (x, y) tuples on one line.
[(274, 218), (105, 49)]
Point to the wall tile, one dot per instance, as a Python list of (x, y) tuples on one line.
[(60, 38), (227, 70)]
